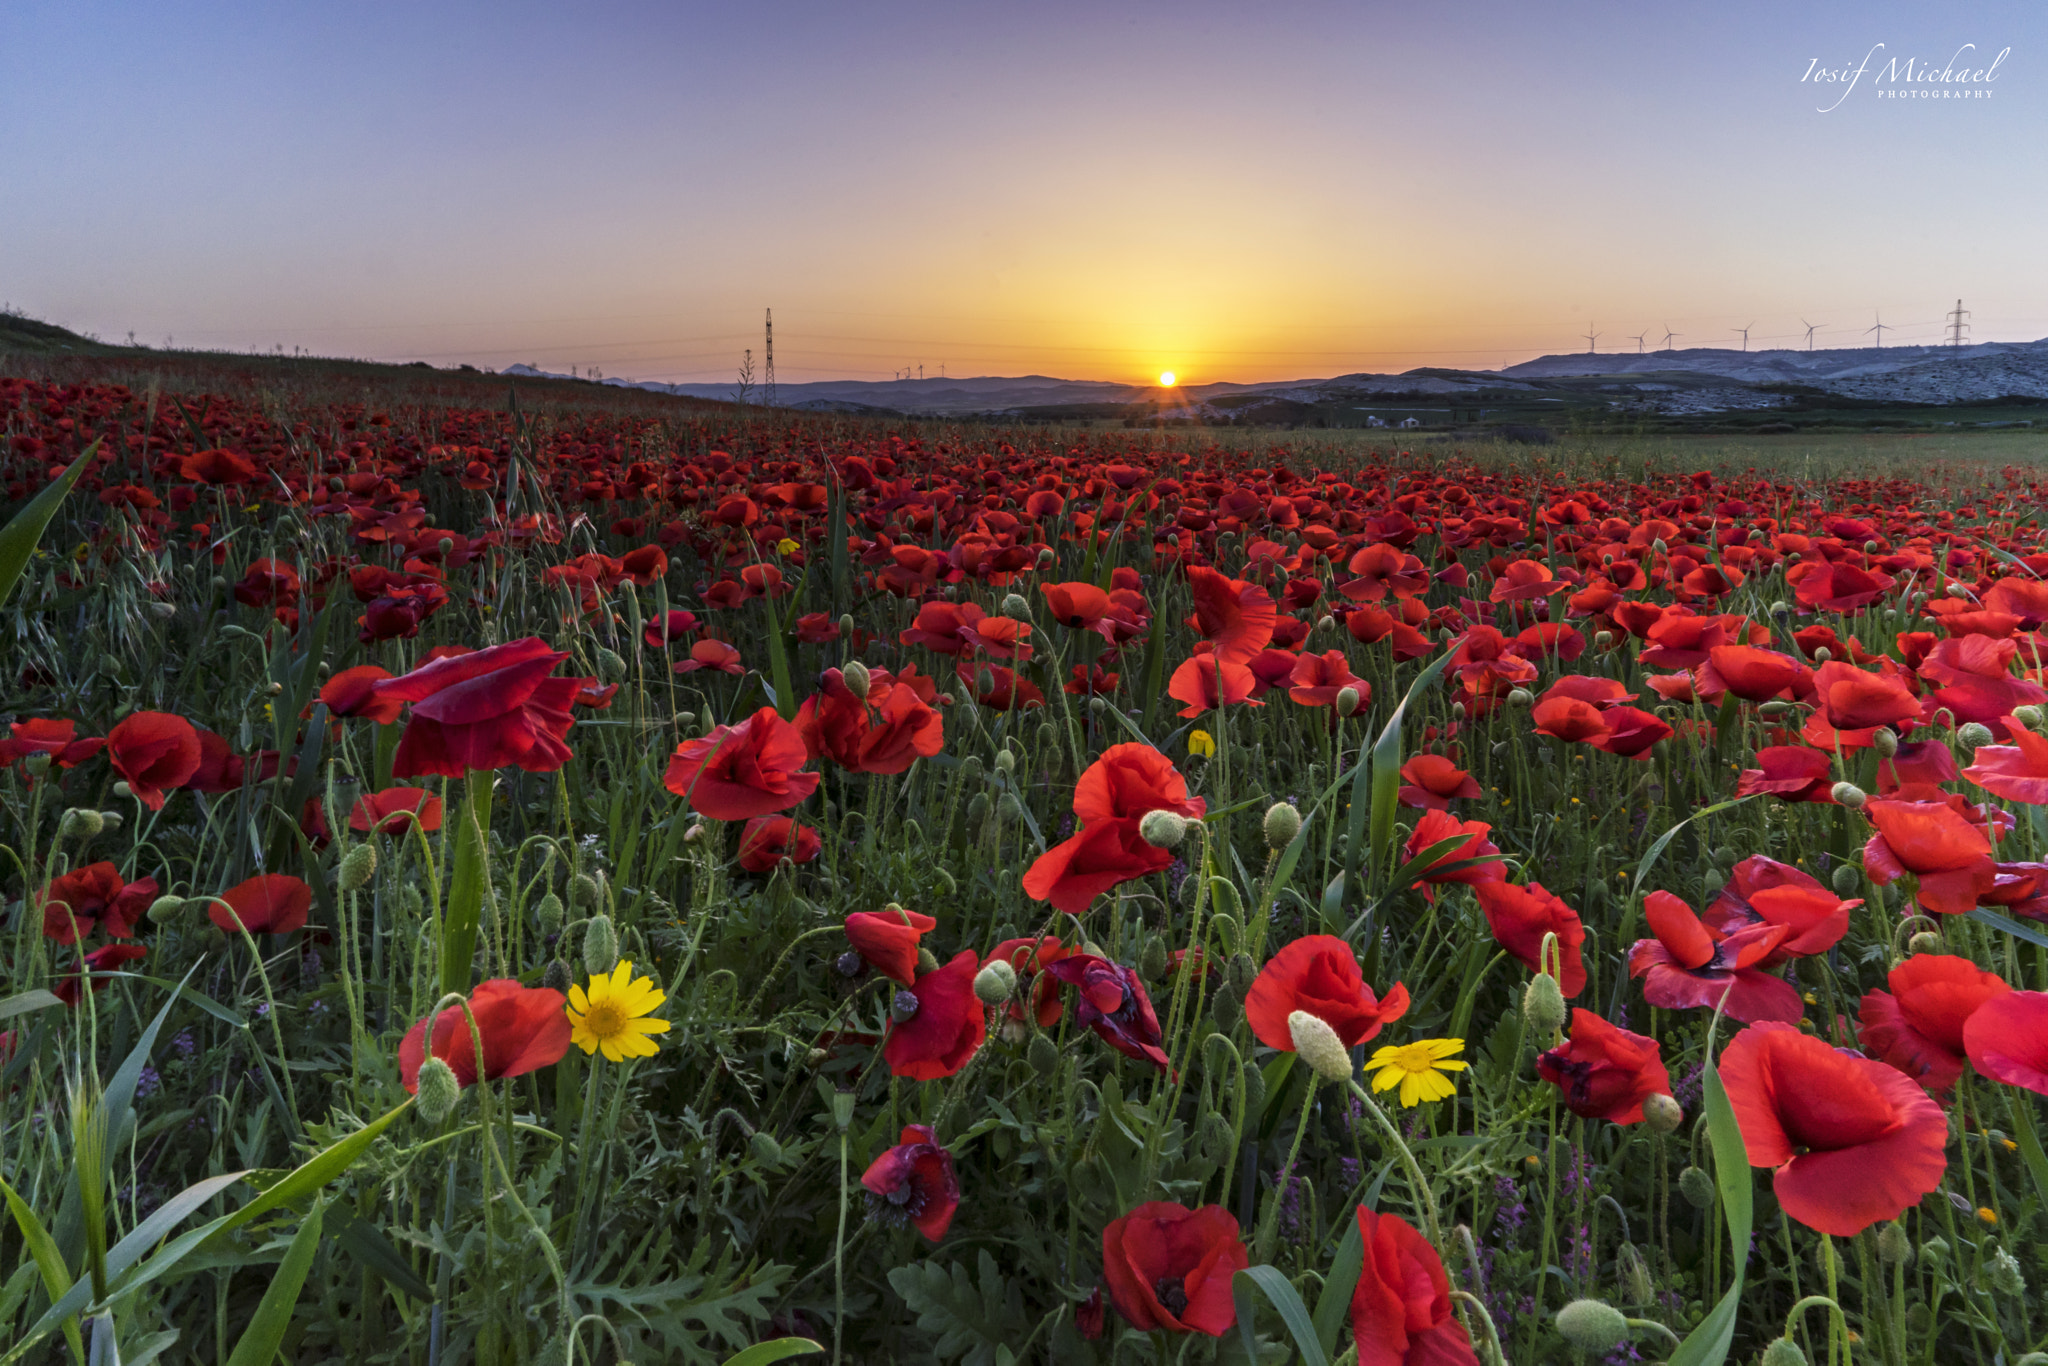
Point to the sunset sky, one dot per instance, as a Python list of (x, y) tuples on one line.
[(1099, 191)]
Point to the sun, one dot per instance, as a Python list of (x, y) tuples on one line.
[(1166, 379)]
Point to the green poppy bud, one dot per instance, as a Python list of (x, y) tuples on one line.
[(947, 886), (1697, 1188), (1227, 933), (1603, 640), (165, 909), (995, 983), (978, 808), (1318, 1045), (600, 945), (1933, 1252), (2028, 716), (1892, 1243), (1662, 1114), (1543, 1008), (36, 764), (1162, 829), (1848, 794), (1347, 701), (1521, 697), (1016, 607), (766, 1150), (1713, 880), (548, 911), (438, 1091), (1595, 1327), (357, 868), (1043, 1055), (1153, 961), (1213, 1137), (857, 679), (555, 976), (1783, 1352), (1846, 878), (1283, 823), (1925, 941), (583, 891), (1823, 655), (1224, 1008), (79, 823), (1636, 1286), (1010, 807), (610, 667), (1006, 762), (1326, 623), (927, 961), (1886, 742), (1242, 972), (1973, 734)]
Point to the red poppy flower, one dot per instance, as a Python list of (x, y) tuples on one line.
[(2018, 772), (1763, 891), (523, 1029), (884, 733), (353, 692), (1431, 782), (1208, 681), (1604, 1071), (936, 1024), (1381, 569), (645, 564), (1112, 796), (736, 772), (1318, 973), (1113, 1003), (152, 751), (107, 958), (1235, 616), (942, 626), (888, 940), (1688, 966), (1521, 916), (1568, 719), (394, 810), (1853, 699), (1752, 674), (2006, 1039), (2026, 599), (767, 840), (56, 738), (485, 710), (1975, 674), (1170, 1267), (1949, 855), (218, 467), (1791, 773), (999, 688), (269, 903), (1077, 606), (1821, 586), (1401, 1307), (673, 625), (913, 1184), (1917, 1026), (1522, 580), (1433, 828), (1319, 678), (712, 654), (94, 895), (1852, 1140)]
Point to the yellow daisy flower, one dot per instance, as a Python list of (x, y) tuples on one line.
[(1418, 1069), (786, 546), (612, 1015), (1201, 743)]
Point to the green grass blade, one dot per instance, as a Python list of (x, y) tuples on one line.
[(1334, 1303), (780, 1349), (466, 883), (1284, 1298), (2012, 927), (261, 1339), (1386, 764), (18, 538), (1708, 1344), (22, 1004)]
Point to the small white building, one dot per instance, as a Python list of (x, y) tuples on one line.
[(1373, 420), (1408, 422)]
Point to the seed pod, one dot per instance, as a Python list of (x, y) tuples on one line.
[(1283, 823), (1318, 1045), (357, 868), (438, 1091), (37, 764), (995, 983), (1595, 1327), (1662, 1114), (1162, 829), (1697, 1188), (600, 945)]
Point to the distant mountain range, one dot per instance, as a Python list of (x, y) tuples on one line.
[(1708, 377)]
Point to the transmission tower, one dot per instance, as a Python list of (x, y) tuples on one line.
[(768, 369), (1956, 325)]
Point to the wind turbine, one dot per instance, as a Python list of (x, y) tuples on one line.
[(1669, 335), (1590, 337), (1639, 342), (1745, 335), (1879, 329), (1811, 328)]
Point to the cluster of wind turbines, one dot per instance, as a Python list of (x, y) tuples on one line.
[(1880, 328)]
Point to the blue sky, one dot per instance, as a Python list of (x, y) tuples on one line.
[(1099, 191)]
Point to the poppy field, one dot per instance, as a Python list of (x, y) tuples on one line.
[(691, 883)]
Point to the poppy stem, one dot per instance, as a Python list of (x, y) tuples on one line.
[(1425, 1198), (1270, 1223)]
